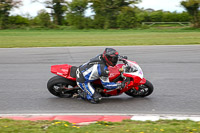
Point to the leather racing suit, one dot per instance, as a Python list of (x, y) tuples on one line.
[(95, 69)]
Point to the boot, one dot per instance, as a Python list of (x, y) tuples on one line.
[(96, 98), (82, 94)]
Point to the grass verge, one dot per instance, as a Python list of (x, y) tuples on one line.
[(127, 126), (63, 38)]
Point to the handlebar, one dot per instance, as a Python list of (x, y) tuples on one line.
[(122, 58)]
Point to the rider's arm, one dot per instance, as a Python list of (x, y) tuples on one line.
[(107, 84), (104, 72)]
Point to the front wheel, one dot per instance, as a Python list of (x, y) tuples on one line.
[(60, 87), (144, 90)]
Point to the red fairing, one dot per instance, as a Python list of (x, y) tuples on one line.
[(62, 70), (143, 81), (114, 72)]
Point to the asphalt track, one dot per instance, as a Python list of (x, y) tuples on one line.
[(173, 70)]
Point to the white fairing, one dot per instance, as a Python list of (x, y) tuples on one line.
[(135, 66)]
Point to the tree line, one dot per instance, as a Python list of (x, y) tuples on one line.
[(107, 14)]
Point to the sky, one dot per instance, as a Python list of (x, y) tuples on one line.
[(166, 5)]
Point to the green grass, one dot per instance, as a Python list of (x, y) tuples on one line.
[(60, 38), (128, 126)]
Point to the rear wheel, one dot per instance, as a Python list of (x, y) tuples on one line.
[(144, 90), (61, 87)]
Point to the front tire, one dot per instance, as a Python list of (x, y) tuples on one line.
[(144, 90), (57, 86)]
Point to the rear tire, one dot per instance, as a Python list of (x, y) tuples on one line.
[(57, 84), (144, 90)]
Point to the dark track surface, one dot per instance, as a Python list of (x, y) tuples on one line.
[(173, 70)]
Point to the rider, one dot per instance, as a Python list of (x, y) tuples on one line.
[(97, 68)]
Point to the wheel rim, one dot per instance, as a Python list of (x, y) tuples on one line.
[(144, 90)]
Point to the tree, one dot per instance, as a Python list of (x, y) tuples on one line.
[(43, 19), (156, 16), (193, 8), (76, 14), (106, 11), (18, 21), (5, 7), (127, 18), (58, 7)]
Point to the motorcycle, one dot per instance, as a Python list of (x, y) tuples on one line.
[(64, 83)]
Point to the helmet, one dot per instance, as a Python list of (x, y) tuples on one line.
[(110, 56)]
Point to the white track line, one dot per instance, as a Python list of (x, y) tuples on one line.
[(157, 117)]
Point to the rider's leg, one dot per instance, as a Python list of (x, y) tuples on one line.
[(92, 96), (82, 92)]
